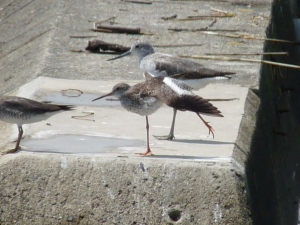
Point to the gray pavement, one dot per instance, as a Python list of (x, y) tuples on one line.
[(194, 175)]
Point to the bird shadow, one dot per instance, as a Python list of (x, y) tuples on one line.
[(206, 142), (211, 158)]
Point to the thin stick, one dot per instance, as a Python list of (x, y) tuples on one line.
[(201, 29), (261, 53), (87, 36), (177, 45), (240, 59), (88, 113), (245, 36), (102, 21), (102, 30), (138, 1), (221, 99), (203, 17), (218, 10)]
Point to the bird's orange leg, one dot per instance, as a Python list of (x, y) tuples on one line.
[(211, 130), (148, 152)]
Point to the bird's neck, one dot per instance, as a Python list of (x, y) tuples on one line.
[(141, 56)]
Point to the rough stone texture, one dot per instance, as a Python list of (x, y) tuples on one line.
[(63, 189), (85, 190)]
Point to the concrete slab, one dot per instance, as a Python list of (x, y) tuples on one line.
[(110, 120)]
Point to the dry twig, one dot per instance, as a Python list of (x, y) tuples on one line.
[(245, 36), (138, 1), (177, 45), (241, 59), (261, 53)]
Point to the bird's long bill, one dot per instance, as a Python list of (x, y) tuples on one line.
[(103, 96), (121, 56)]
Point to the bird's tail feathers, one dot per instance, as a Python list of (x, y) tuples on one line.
[(195, 103)]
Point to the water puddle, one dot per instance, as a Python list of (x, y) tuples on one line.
[(79, 98), (80, 144)]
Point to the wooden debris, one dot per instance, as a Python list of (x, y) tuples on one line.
[(138, 1), (102, 30), (96, 45), (261, 53), (169, 18), (241, 59), (76, 50), (117, 29)]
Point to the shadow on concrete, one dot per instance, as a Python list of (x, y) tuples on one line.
[(217, 158), (273, 165), (197, 141)]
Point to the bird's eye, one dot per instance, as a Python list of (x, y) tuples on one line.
[(137, 46)]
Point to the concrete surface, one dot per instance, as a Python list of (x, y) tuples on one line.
[(46, 188), (110, 120)]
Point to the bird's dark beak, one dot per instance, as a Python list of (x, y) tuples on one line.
[(121, 56), (103, 96)]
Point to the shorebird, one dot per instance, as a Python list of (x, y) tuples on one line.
[(21, 111), (147, 97), (156, 64)]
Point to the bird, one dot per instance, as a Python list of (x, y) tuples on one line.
[(19, 111), (190, 72), (147, 97)]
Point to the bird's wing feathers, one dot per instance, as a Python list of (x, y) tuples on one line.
[(31, 106), (183, 69)]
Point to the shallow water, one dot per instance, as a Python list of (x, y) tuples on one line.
[(79, 99), (80, 144)]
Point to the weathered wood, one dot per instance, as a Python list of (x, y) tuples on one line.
[(117, 29), (96, 45)]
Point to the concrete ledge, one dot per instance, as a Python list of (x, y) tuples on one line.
[(84, 190)]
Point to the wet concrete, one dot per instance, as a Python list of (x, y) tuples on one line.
[(79, 144)]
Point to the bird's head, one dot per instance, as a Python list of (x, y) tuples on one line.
[(140, 49), (117, 91)]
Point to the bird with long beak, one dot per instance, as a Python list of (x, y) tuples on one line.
[(147, 97), (187, 71), (21, 111)]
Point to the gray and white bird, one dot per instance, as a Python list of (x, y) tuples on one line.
[(147, 97), (21, 111), (157, 64)]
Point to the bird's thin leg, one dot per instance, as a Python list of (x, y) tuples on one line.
[(207, 125), (18, 142), (148, 152), (19, 137), (171, 134)]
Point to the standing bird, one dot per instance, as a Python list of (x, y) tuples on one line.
[(156, 64), (21, 111), (147, 97)]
